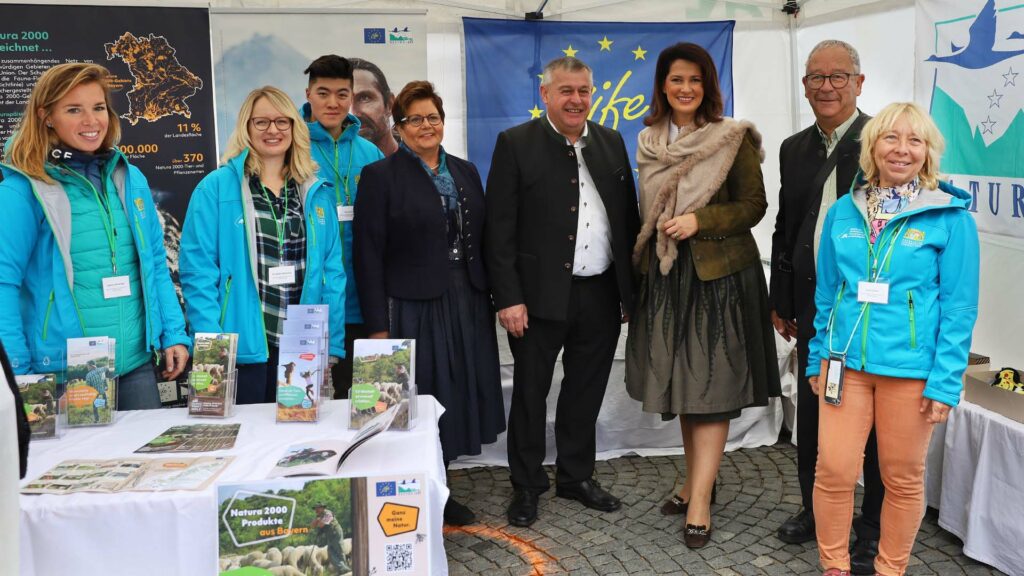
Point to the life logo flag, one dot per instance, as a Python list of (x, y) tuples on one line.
[(505, 60), (970, 75)]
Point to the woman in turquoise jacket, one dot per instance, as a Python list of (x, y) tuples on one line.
[(897, 298), (81, 244), (261, 233)]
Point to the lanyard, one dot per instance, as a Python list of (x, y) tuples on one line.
[(875, 272), (278, 225), (107, 216), (338, 176)]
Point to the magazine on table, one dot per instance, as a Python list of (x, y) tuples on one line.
[(91, 393), (129, 474), (383, 375), (325, 457), (376, 525), (211, 382), (40, 400), (193, 438)]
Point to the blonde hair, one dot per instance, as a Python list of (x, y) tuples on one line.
[(922, 125), (32, 141), (298, 162)]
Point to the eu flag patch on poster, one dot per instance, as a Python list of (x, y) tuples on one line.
[(373, 35)]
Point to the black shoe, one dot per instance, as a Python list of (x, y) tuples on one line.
[(696, 536), (676, 505), (523, 509), (457, 514), (862, 556), (798, 529), (590, 493)]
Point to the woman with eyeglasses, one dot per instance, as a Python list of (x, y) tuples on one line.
[(260, 234), (418, 227)]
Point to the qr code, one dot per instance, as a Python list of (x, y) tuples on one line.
[(398, 557)]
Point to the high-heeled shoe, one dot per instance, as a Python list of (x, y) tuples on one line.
[(676, 505), (696, 536)]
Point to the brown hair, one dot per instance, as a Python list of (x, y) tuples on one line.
[(32, 141), (413, 92), (711, 106)]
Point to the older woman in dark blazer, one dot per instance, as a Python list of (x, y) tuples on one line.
[(417, 232)]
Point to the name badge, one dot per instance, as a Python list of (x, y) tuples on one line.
[(282, 275), (346, 213), (873, 292), (116, 287), (833, 393)]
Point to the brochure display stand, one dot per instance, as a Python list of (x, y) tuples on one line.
[(41, 395), (212, 398), (383, 375)]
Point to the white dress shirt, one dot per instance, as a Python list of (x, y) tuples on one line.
[(593, 253)]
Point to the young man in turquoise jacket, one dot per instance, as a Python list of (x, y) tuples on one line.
[(341, 154)]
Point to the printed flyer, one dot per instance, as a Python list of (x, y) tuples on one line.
[(383, 375), (333, 526)]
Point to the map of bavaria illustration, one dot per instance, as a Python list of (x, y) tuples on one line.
[(161, 85)]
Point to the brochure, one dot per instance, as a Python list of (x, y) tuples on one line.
[(299, 379), (39, 395), (325, 457), (92, 385), (383, 375), (312, 321), (193, 438), (129, 474), (211, 382), (375, 525)]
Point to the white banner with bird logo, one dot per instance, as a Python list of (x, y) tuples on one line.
[(970, 75)]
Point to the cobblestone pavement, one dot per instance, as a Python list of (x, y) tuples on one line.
[(757, 491)]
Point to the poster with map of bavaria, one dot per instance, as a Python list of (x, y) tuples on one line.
[(162, 81)]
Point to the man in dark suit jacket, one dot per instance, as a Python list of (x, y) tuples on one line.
[(817, 166), (561, 220)]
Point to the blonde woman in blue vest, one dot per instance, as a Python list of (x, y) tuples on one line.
[(81, 246)]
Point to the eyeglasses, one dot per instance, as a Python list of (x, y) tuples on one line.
[(837, 80), (262, 124), (417, 121)]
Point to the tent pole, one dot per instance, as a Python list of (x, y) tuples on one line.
[(794, 65)]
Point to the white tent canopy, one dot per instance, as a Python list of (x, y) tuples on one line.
[(770, 48)]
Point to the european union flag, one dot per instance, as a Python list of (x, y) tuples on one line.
[(505, 60)]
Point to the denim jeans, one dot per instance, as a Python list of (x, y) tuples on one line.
[(137, 389)]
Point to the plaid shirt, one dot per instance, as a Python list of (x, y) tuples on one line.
[(276, 299)]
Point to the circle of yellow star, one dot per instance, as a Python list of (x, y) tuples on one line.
[(570, 51), (639, 53), (606, 44), (535, 112)]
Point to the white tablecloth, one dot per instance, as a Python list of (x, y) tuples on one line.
[(175, 533), (980, 491), (623, 427)]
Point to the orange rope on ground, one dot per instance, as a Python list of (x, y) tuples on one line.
[(535, 557)]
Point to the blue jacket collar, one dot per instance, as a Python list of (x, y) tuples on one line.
[(318, 134)]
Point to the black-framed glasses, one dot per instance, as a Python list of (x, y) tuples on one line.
[(262, 124), (836, 79), (417, 121)]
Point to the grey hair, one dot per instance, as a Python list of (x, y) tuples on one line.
[(566, 64), (850, 50)]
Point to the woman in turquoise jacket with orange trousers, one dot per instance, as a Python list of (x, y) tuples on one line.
[(81, 245), (261, 233), (897, 298)]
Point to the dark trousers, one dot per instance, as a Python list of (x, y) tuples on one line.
[(867, 526), (588, 337), (257, 383), (341, 373)]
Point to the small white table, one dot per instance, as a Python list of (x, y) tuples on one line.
[(976, 479), (175, 533)]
